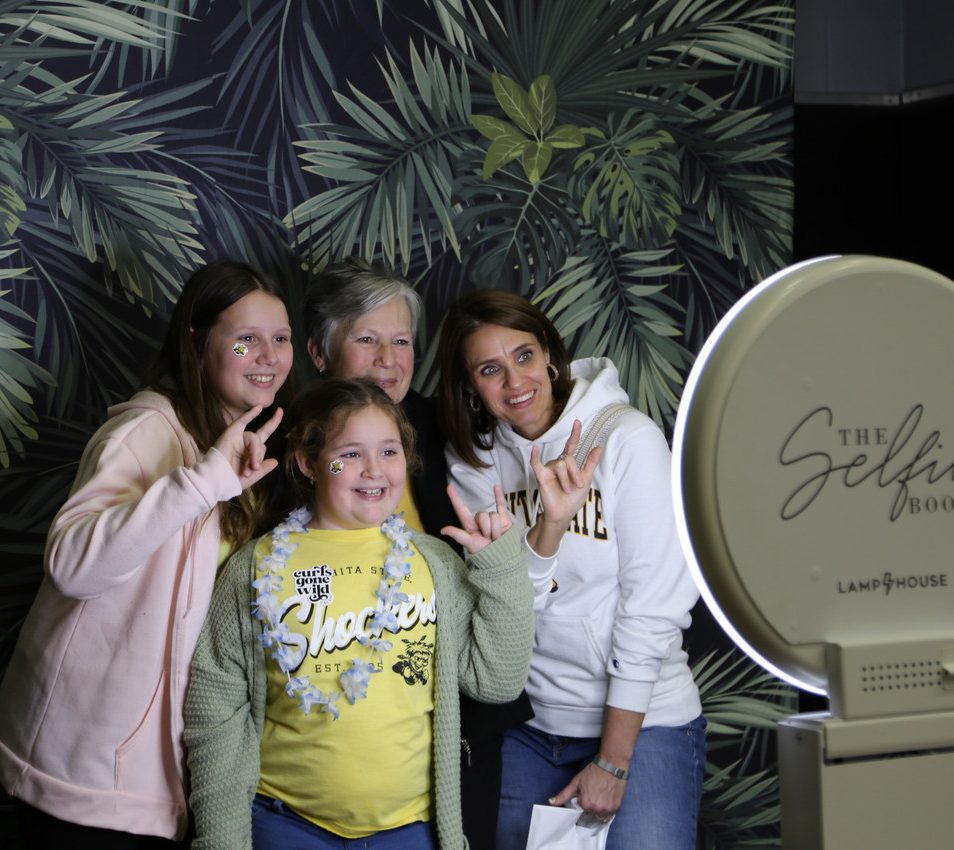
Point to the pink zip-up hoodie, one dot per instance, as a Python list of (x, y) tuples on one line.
[(91, 703)]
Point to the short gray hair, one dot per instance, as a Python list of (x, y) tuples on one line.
[(343, 292)]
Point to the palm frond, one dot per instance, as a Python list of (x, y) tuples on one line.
[(96, 348), (609, 302), (732, 164), (602, 54), (392, 170), (19, 376), (84, 23), (138, 220), (272, 45), (743, 705), (12, 187), (517, 233)]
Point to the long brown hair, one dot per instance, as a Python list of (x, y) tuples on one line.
[(178, 373), (320, 411), (465, 427)]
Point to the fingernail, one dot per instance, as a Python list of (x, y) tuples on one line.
[(552, 801)]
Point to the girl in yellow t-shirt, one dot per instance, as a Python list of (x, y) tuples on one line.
[(334, 700)]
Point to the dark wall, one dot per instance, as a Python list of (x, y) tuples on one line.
[(874, 95), (875, 180)]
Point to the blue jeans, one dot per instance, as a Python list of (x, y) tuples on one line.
[(276, 827), (661, 800)]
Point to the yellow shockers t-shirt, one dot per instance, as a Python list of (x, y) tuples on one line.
[(371, 769)]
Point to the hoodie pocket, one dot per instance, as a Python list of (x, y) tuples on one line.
[(145, 752), (567, 656)]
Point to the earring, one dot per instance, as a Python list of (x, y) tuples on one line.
[(336, 466), (554, 372), (474, 403)]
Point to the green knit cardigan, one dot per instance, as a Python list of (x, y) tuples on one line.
[(483, 645)]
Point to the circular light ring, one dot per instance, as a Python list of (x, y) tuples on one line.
[(787, 570)]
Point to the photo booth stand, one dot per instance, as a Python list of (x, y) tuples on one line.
[(814, 488)]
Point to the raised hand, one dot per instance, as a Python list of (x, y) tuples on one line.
[(562, 484), (245, 450), (480, 529)]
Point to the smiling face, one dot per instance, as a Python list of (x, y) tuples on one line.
[(379, 346), (370, 455), (248, 353), (507, 369)]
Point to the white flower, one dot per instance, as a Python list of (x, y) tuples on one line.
[(309, 697), (355, 680), (277, 637), (396, 568), (390, 594), (396, 530), (383, 620), (267, 607), (329, 704), (376, 644), (296, 684), (299, 519), (268, 583), (288, 656)]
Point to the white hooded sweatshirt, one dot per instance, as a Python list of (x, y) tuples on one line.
[(612, 604)]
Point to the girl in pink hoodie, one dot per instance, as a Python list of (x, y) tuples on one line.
[(91, 702)]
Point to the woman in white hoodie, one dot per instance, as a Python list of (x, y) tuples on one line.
[(618, 721)]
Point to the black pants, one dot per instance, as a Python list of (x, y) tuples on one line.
[(482, 731), (40, 831), (480, 792)]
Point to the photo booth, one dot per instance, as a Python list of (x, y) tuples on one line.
[(814, 488)]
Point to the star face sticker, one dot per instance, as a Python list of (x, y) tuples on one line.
[(240, 349)]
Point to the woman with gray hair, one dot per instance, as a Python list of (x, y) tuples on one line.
[(361, 321)]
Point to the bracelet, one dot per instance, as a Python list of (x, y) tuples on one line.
[(618, 772)]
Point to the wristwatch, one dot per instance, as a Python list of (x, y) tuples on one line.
[(618, 772)]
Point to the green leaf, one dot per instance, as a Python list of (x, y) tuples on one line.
[(18, 377), (12, 184), (536, 158), (493, 128), (591, 303), (513, 230), (566, 136), (628, 184), (543, 103), (390, 178), (504, 150), (515, 102)]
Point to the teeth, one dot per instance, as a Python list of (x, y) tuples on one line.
[(521, 399), (376, 492), (261, 379)]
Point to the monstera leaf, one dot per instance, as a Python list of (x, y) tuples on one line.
[(627, 182)]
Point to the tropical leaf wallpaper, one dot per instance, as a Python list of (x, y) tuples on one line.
[(623, 163)]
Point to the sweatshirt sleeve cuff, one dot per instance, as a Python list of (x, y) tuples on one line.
[(504, 550), (631, 696), (214, 477), (540, 568)]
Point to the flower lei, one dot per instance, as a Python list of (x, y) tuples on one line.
[(275, 635)]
